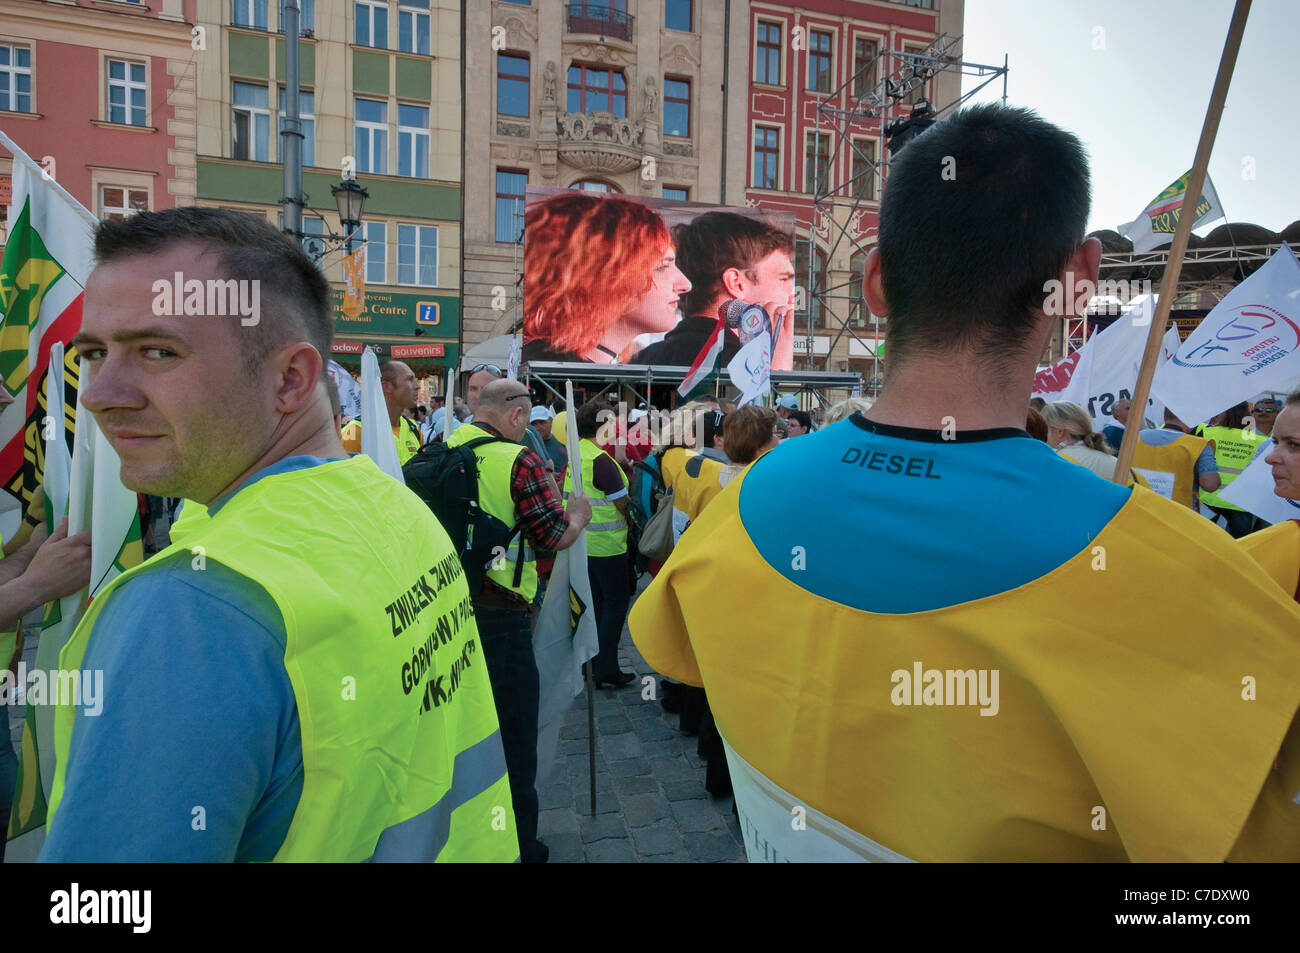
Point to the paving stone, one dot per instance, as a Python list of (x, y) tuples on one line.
[(629, 767), (613, 724), (610, 851), (574, 746), (565, 848), (560, 820), (695, 816), (644, 711), (668, 748), (655, 730), (620, 747), (676, 857), (572, 730), (555, 796), (685, 790), (642, 810), (640, 784), (601, 826), (678, 769), (659, 839), (634, 695), (713, 848)]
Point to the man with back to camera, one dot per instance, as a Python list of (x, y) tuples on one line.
[(261, 677), (991, 714), (726, 256)]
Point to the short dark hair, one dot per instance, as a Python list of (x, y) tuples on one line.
[(715, 241), (802, 417), (978, 213), (249, 249), (588, 417), (748, 431)]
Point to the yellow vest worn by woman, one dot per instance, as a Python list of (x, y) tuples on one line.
[(1125, 734), (1170, 470), (607, 531), (402, 757)]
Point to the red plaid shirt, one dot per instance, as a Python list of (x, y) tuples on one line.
[(539, 510)]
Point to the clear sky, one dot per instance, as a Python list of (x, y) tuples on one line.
[(1132, 79)]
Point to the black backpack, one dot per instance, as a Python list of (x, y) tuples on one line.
[(446, 478)]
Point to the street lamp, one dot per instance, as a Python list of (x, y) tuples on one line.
[(351, 199)]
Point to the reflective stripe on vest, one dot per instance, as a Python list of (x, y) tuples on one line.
[(607, 531), (1234, 448), (1176, 461), (496, 463), (395, 630), (765, 810)]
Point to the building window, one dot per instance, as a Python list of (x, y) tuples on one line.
[(864, 66), (813, 285), (766, 154), (249, 13), (117, 203), (595, 185), (512, 84), (306, 113), (413, 141), (858, 313), (817, 162), (676, 193), (15, 79), (510, 204), (417, 255), (372, 24), (250, 127), (864, 169), (767, 55), (126, 92), (819, 61), (370, 136), (306, 16), (677, 107), (594, 90), (413, 27), (677, 15), (376, 252)]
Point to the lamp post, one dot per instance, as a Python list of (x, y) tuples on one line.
[(351, 199)]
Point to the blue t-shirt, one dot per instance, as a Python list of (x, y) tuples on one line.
[(196, 754), (902, 520)]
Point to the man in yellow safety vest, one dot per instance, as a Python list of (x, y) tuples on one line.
[(279, 685), (400, 393)]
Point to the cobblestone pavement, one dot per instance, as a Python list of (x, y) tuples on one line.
[(651, 805)]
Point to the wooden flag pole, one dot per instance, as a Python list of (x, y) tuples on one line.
[(1169, 281)]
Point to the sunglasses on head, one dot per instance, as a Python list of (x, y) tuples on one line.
[(490, 368)]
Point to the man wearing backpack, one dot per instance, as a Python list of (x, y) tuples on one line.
[(513, 487)]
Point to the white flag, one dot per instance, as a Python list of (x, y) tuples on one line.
[(348, 388), (1105, 370), (1253, 492), (751, 369), (376, 432), (512, 359), (565, 635), (1158, 221), (1249, 343)]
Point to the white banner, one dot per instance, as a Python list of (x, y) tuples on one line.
[(376, 432), (348, 388), (751, 369), (1159, 220), (1253, 492), (1249, 343)]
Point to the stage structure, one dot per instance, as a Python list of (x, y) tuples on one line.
[(887, 90)]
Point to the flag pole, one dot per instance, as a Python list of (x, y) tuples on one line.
[(1169, 281)]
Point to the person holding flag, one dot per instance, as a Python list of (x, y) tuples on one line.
[(401, 390), (1090, 736), (331, 740)]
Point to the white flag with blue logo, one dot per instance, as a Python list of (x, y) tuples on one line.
[(1249, 343)]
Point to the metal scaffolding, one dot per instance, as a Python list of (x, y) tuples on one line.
[(883, 88)]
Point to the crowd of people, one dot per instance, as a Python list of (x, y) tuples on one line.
[(909, 663)]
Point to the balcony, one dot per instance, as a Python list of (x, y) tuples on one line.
[(600, 20), (600, 142)]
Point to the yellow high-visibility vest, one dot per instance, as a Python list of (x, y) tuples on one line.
[(1234, 448), (408, 764), (607, 531), (406, 436), (1170, 470)]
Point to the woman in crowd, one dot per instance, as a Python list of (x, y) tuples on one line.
[(747, 434), (1277, 548), (1070, 433), (599, 270)]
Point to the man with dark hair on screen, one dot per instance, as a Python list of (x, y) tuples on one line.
[(998, 685), (726, 256)]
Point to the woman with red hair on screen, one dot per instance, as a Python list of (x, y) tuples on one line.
[(599, 270)]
